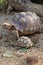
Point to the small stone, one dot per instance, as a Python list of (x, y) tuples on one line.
[(32, 60), (7, 54)]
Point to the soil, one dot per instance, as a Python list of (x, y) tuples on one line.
[(30, 56)]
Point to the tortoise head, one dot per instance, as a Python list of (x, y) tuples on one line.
[(8, 25)]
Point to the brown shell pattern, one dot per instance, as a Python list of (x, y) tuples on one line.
[(26, 22)]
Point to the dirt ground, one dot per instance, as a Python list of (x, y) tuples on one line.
[(31, 56)]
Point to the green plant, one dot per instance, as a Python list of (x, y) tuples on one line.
[(2, 1)]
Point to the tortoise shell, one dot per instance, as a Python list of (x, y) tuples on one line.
[(24, 41), (26, 22)]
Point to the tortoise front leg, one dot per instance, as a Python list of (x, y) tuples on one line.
[(16, 34)]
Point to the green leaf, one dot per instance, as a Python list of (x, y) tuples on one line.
[(24, 49), (2, 1)]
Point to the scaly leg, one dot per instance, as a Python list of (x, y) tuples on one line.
[(15, 32)]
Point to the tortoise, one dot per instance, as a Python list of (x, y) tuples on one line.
[(25, 23), (25, 42)]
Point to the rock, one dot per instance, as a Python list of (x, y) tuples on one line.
[(31, 60), (18, 5), (8, 54), (25, 5)]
